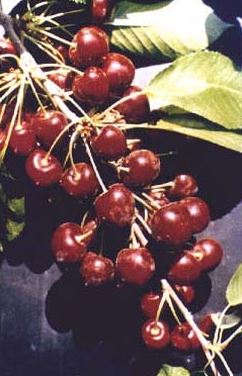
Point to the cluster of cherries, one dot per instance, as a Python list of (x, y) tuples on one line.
[(169, 213)]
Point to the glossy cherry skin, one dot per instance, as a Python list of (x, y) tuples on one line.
[(42, 170), (135, 265), (117, 205), (64, 52), (156, 335), (171, 224), (100, 10), (198, 211), (92, 87), (185, 269), (88, 47), (80, 181), (48, 125), (187, 293), (23, 139), (209, 253), (110, 143), (143, 167), (7, 47), (179, 337), (184, 186), (68, 243), (135, 109), (149, 304), (59, 78), (96, 269), (120, 71)]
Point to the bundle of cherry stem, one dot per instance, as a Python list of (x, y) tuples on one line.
[(32, 72)]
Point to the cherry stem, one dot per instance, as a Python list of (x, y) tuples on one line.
[(143, 222), (82, 237), (161, 186), (152, 201), (231, 337), (89, 153), (206, 345), (220, 321), (161, 305), (143, 202), (134, 243), (140, 236)]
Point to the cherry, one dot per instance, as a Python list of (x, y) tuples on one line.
[(96, 269), (171, 224), (64, 52), (150, 304), (155, 334), (206, 323), (136, 108), (116, 205), (92, 87), (23, 140), (184, 269), (187, 293), (100, 10), (89, 45), (159, 197), (7, 47), (143, 167), (198, 211), (43, 169), (48, 125), (69, 243), (135, 265), (110, 143), (184, 185), (59, 78), (120, 71), (209, 252), (79, 180), (179, 337), (2, 139)]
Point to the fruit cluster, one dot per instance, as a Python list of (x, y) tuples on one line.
[(168, 213)]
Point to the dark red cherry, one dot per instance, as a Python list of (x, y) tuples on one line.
[(143, 166), (136, 108), (209, 252), (149, 304), (160, 198), (64, 52), (198, 211), (184, 186), (88, 47), (185, 269), (59, 78), (155, 334), (187, 293), (100, 10), (171, 224), (7, 47), (2, 139), (69, 243), (116, 205), (92, 87), (110, 143), (206, 324), (48, 125), (179, 337), (80, 180), (96, 269), (44, 170), (23, 140), (135, 265), (120, 71)]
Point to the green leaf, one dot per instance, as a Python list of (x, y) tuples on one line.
[(229, 321), (162, 30), (168, 370), (234, 289), (14, 229), (193, 126), (204, 83), (16, 205)]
